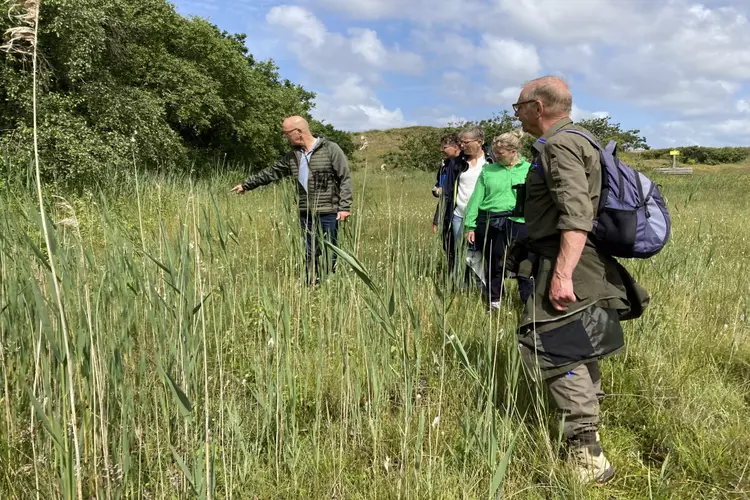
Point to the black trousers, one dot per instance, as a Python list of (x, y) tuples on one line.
[(494, 237)]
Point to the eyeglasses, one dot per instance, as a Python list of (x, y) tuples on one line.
[(287, 132), (519, 104), (463, 143)]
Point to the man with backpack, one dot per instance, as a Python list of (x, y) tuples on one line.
[(324, 188), (581, 294)]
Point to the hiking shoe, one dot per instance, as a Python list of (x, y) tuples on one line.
[(590, 463)]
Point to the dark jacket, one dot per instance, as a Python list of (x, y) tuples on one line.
[(329, 182)]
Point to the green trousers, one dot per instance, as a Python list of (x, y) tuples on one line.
[(577, 394)]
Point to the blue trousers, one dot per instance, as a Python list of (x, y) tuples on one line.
[(319, 227)]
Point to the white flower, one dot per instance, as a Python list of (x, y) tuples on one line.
[(436, 422), (270, 343)]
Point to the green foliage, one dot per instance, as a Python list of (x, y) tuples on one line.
[(421, 150), (120, 78), (700, 155), (606, 131), (343, 139)]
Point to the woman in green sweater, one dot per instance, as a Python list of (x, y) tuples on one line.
[(489, 221)]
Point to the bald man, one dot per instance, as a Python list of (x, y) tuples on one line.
[(573, 317), (324, 187)]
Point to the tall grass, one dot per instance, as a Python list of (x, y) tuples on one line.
[(202, 367)]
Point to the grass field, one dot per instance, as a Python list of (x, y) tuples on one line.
[(194, 363)]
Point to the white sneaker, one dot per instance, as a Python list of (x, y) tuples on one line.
[(494, 306)]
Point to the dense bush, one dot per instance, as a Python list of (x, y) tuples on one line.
[(421, 150), (343, 139), (119, 78), (700, 154), (605, 131)]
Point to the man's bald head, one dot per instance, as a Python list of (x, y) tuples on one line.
[(297, 131), (295, 122), (554, 94)]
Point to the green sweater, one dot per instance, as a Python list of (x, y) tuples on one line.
[(494, 191)]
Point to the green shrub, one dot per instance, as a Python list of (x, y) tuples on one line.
[(421, 150), (700, 155)]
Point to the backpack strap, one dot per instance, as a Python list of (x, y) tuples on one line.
[(610, 149)]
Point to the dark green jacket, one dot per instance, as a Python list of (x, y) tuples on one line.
[(329, 181)]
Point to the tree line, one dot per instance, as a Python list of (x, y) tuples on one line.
[(421, 150), (125, 82)]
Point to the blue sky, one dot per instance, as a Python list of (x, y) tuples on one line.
[(677, 70)]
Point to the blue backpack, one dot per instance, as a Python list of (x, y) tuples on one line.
[(632, 220)]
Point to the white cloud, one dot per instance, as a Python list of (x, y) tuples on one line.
[(331, 56), (452, 49), (570, 59), (300, 21), (504, 97), (462, 90), (352, 105), (366, 43), (729, 132), (508, 60), (571, 21), (345, 67), (456, 86), (687, 62), (418, 11), (582, 114)]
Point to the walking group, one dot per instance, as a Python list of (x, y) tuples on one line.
[(554, 224), (480, 210)]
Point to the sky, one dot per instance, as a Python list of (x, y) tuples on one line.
[(677, 70)]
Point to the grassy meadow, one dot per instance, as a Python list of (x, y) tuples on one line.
[(190, 361)]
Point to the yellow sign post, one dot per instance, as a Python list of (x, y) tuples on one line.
[(674, 154)]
